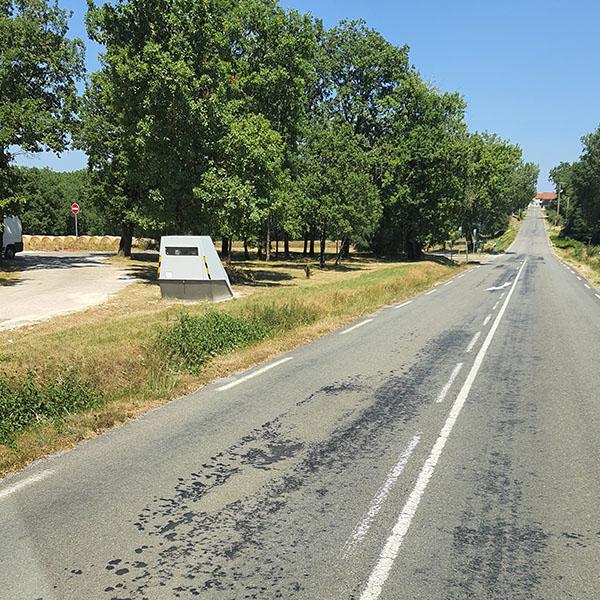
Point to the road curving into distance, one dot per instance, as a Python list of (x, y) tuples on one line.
[(447, 447)]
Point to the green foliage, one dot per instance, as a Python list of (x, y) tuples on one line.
[(585, 253), (339, 194), (39, 68), (242, 119), (48, 196), (585, 179), (32, 401), (579, 184), (194, 340)]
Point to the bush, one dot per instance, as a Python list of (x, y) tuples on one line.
[(27, 402), (194, 340)]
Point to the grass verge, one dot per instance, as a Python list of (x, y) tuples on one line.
[(502, 243), (137, 352), (583, 257)]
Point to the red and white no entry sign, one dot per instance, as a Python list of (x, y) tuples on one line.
[(75, 208)]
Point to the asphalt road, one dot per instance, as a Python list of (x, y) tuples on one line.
[(56, 283), (367, 465)]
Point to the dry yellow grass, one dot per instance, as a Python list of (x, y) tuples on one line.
[(588, 267), (112, 344)]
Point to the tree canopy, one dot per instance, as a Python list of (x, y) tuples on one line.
[(245, 120), (39, 69)]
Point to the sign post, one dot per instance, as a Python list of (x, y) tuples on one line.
[(75, 211)]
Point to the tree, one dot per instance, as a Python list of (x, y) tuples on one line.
[(361, 74), (585, 179), (423, 177), (240, 193), (335, 180), (49, 195), (489, 198), (575, 224), (39, 69)]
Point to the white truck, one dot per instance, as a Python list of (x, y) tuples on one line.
[(12, 237)]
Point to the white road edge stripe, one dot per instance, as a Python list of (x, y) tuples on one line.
[(473, 342), (579, 278), (429, 292), (597, 296), (403, 304), (392, 545), (24, 483), (253, 374), (362, 528), (587, 286), (355, 326), (487, 319), (448, 385)]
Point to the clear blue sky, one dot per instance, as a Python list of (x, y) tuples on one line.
[(529, 70)]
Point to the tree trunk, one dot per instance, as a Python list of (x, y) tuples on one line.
[(277, 244), (414, 250), (246, 253), (345, 249), (268, 244), (286, 245), (225, 248), (305, 251), (338, 255), (311, 251), (126, 239), (322, 252)]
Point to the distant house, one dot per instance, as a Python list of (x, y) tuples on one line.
[(544, 198)]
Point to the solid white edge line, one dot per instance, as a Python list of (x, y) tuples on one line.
[(355, 326), (429, 292), (362, 528), (487, 319), (24, 483), (403, 304), (390, 550), (448, 385), (253, 374)]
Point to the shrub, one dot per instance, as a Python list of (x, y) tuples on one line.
[(29, 401), (194, 340)]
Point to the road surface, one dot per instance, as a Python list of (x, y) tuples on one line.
[(56, 283), (447, 448)]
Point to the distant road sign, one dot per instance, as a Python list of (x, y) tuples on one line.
[(75, 208)]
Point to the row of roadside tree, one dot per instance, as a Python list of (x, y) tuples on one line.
[(244, 120), (579, 185)]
